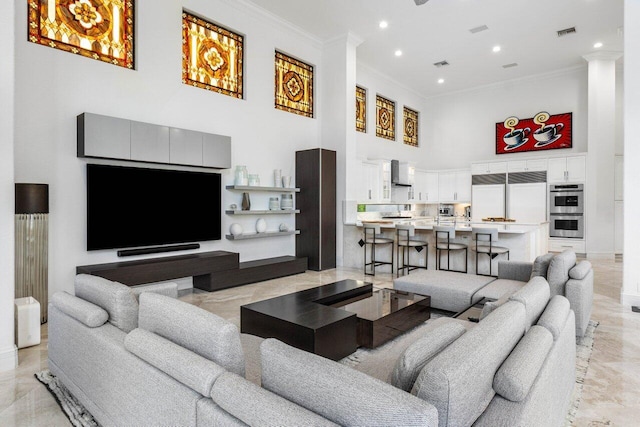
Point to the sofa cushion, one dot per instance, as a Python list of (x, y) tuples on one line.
[(83, 311), (337, 392), (208, 414), (233, 393), (459, 380), (190, 369), (169, 289), (193, 328), (580, 270), (558, 272), (541, 265), (449, 290), (555, 315), (115, 298), (517, 374), (535, 296), (500, 287), (416, 356)]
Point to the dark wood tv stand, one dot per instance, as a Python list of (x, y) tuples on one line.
[(210, 270)]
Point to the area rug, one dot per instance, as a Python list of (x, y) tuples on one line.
[(378, 363)]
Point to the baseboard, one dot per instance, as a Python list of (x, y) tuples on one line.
[(601, 255), (8, 358), (630, 299)]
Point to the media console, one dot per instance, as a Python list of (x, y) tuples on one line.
[(211, 271)]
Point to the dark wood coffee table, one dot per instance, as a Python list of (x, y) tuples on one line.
[(334, 319)]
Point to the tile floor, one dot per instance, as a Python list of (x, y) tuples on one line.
[(611, 395)]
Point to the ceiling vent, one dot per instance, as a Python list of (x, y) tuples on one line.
[(441, 64), (478, 29), (513, 64), (566, 31)]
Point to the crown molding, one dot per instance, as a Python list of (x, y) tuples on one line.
[(379, 74), (603, 56)]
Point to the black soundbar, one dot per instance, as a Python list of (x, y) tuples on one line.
[(158, 249)]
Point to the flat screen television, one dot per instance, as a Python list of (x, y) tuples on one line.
[(132, 207)]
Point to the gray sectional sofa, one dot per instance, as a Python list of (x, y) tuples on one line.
[(452, 291)]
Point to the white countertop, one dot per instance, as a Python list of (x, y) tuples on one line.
[(462, 226)]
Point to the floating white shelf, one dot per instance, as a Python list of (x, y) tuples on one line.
[(259, 188), (256, 212), (261, 235)]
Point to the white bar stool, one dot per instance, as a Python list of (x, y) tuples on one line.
[(404, 232), (444, 235), (373, 238), (485, 239)]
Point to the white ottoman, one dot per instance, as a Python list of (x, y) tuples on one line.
[(27, 321)]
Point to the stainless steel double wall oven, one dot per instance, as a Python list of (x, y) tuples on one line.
[(566, 210)]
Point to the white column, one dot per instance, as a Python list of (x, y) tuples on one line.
[(338, 113), (8, 351), (600, 206), (631, 275)]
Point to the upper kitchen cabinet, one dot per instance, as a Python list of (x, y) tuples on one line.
[(567, 169), (455, 187), (376, 181), (426, 187), (121, 139), (534, 165), (488, 168)]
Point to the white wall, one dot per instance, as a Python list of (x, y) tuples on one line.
[(460, 126), (8, 353), (53, 87), (631, 275)]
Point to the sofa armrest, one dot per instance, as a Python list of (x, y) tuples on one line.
[(515, 270), (169, 289), (580, 296), (83, 311)]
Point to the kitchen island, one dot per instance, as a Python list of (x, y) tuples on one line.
[(525, 242)]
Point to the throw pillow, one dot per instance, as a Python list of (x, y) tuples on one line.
[(541, 265), (418, 354)]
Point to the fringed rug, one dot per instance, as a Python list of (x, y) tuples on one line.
[(77, 414), (584, 348)]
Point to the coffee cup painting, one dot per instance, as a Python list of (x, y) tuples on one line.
[(542, 132)]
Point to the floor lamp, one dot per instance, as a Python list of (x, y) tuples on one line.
[(32, 242)]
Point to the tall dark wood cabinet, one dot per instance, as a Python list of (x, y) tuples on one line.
[(316, 178)]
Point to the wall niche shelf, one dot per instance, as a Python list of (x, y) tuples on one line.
[(260, 188), (261, 235), (259, 212)]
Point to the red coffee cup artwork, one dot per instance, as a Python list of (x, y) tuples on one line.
[(542, 132)]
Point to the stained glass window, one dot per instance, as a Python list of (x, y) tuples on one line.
[(385, 118), (98, 29), (361, 109), (410, 127), (211, 56), (294, 85)]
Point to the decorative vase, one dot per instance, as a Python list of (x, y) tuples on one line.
[(277, 177), (254, 180), (274, 204), (261, 225), (287, 201), (241, 175), (283, 227), (235, 229), (246, 202)]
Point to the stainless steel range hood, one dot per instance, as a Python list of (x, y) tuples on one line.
[(400, 174)]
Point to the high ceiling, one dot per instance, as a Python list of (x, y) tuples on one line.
[(526, 32)]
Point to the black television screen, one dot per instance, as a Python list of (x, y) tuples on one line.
[(129, 207)]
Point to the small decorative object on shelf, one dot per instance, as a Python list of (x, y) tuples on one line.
[(286, 181), (235, 229), (277, 177), (254, 180), (246, 202), (233, 206), (274, 204), (241, 175), (261, 225), (287, 201), (283, 227)]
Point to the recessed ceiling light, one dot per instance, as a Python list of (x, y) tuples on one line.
[(398, 52), (383, 24), (597, 45), (440, 81), (496, 48)]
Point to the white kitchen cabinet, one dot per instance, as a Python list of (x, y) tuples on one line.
[(426, 187), (377, 181), (488, 168), (567, 169), (559, 245), (618, 187), (149, 143), (455, 187), (185, 147), (527, 202), (534, 165)]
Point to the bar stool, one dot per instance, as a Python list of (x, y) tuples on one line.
[(373, 238), (485, 239), (444, 235), (403, 237)]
